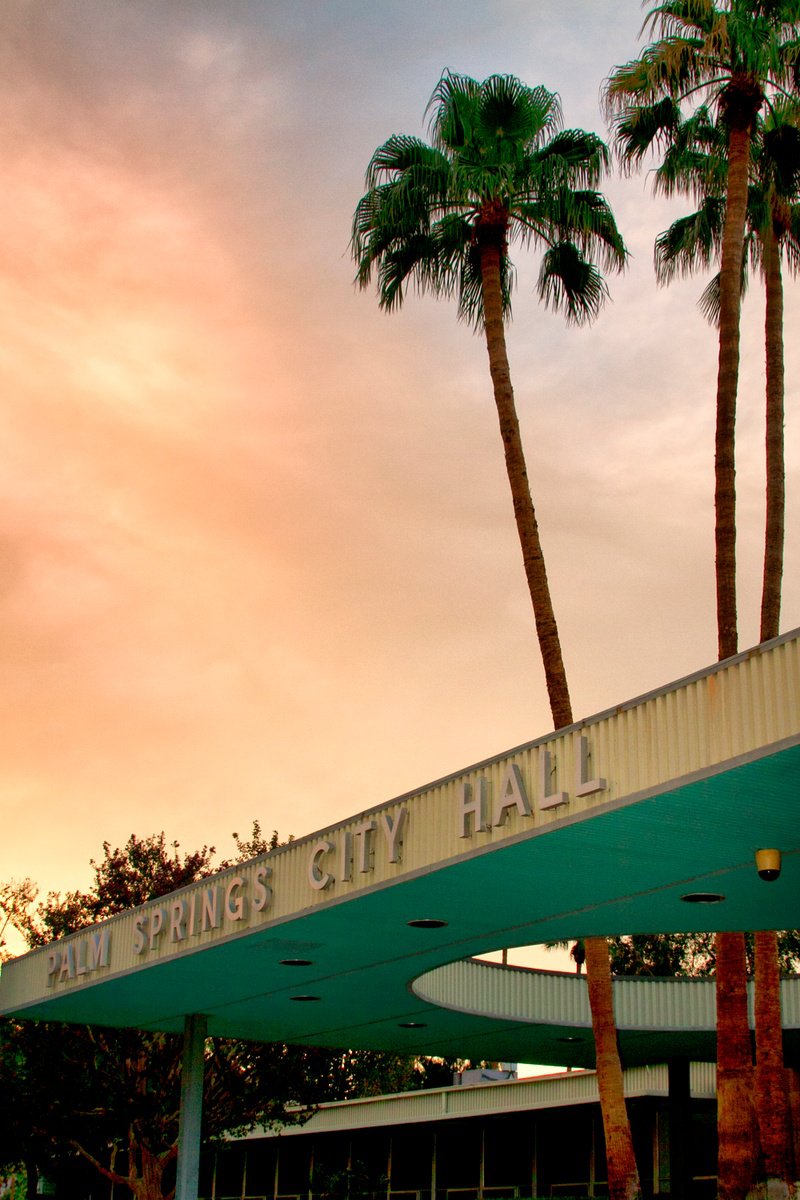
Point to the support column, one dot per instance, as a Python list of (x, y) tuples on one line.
[(191, 1115), (680, 1099)]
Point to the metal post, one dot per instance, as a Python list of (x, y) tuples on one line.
[(191, 1115), (680, 1101)]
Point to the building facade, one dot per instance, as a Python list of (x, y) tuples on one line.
[(537, 1137)]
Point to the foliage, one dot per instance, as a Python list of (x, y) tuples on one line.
[(441, 216), (257, 843), (16, 897), (689, 954), (662, 954), (124, 878), (728, 60), (112, 1096), (694, 163), (499, 167)]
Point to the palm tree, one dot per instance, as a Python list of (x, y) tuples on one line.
[(778, 238), (695, 163), (772, 234), (441, 216), (736, 55)]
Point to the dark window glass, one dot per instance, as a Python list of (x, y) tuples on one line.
[(458, 1155), (293, 1165), (230, 1172), (412, 1154), (260, 1167)]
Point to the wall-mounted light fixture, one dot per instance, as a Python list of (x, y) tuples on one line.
[(768, 864)]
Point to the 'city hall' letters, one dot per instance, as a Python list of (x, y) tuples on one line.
[(473, 814), (341, 856)]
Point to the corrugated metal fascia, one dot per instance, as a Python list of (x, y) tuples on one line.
[(703, 1080), (525, 1095), (515, 993), (545, 998), (664, 1004)]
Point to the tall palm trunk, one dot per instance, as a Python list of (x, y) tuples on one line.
[(525, 516), (736, 1125), (623, 1175), (623, 1178), (727, 385), (776, 485), (772, 1082), (736, 1118)]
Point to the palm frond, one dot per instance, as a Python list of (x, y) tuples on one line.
[(511, 112), (582, 217), (710, 299), (470, 288), (791, 239), (412, 260), (640, 128), (453, 108), (709, 302), (781, 151), (401, 155), (500, 167), (678, 16), (572, 155), (691, 242), (569, 283)]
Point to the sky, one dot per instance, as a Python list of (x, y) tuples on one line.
[(258, 556)]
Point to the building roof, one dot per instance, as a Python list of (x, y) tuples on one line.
[(484, 1100), (601, 828)]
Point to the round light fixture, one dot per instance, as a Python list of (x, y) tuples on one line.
[(305, 998), (296, 962), (703, 898), (427, 923), (412, 1024), (569, 1039)]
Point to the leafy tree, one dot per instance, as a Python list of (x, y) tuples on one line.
[(662, 954), (691, 955), (112, 1096), (16, 897), (126, 877), (442, 216), (257, 843)]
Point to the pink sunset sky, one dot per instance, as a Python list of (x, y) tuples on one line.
[(258, 554)]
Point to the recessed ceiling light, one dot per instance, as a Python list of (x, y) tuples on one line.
[(305, 997), (412, 1024), (703, 898), (296, 962), (569, 1039), (427, 923)]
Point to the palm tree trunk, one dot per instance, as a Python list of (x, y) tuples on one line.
[(736, 1125), (736, 1120), (727, 385), (623, 1177), (776, 483), (527, 527), (772, 1082), (793, 1076)]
